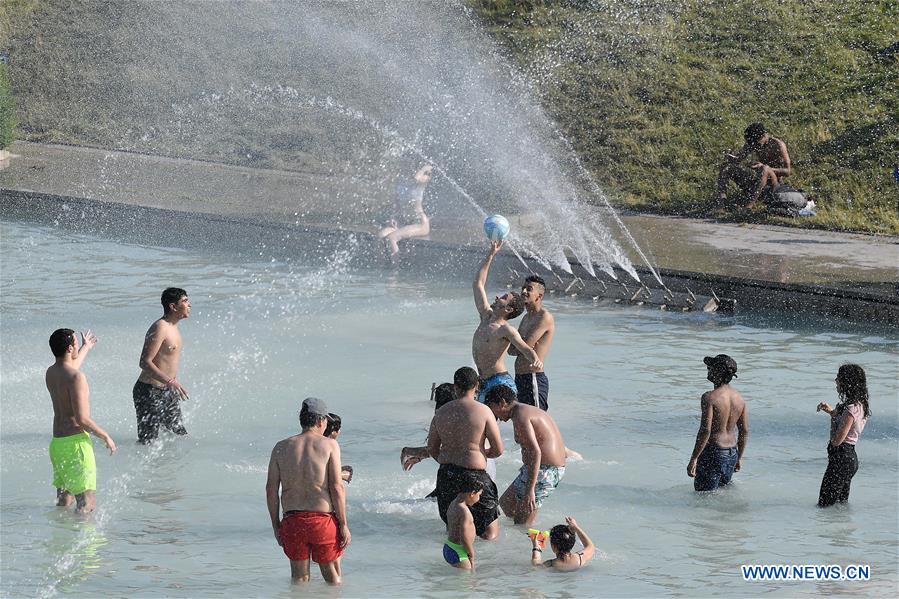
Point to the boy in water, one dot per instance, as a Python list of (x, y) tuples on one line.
[(458, 551), (71, 450), (561, 540), (332, 431)]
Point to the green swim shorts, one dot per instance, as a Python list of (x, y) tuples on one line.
[(454, 553), (74, 467)]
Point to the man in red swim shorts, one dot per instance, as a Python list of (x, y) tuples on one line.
[(306, 470)]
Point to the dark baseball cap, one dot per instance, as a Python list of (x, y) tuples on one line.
[(313, 405), (722, 362)]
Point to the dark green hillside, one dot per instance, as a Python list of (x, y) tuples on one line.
[(651, 91)]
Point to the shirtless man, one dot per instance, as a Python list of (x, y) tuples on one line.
[(306, 468), (769, 170), (718, 452), (71, 450), (537, 329), (542, 454), (495, 333), (157, 392), (457, 439)]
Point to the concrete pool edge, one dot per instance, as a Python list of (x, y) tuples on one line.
[(684, 290)]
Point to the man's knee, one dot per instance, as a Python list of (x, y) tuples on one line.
[(330, 573), (299, 571), (491, 532), (85, 502)]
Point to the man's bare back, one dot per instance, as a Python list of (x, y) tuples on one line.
[(306, 464), (527, 421), (723, 428), (727, 407), (62, 382), (70, 393), (71, 451), (458, 433)]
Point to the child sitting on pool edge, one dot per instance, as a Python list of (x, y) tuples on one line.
[(458, 551), (332, 430), (561, 540)]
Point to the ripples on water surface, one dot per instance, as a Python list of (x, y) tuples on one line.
[(188, 517)]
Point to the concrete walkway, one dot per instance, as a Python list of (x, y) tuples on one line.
[(756, 252)]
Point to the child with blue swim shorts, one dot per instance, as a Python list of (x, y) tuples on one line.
[(458, 551)]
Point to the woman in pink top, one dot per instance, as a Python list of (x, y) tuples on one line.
[(847, 421)]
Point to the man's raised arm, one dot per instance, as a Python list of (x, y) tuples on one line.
[(480, 279), (523, 348), (88, 341)]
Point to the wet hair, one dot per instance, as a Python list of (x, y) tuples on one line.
[(309, 419), (61, 340), (443, 395), (500, 393), (721, 374), (754, 133), (465, 379), (172, 295), (562, 538), (516, 304), (469, 484), (535, 279), (334, 423), (854, 387)]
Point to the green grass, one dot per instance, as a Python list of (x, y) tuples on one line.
[(7, 111), (650, 92)]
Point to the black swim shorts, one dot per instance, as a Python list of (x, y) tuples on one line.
[(485, 511)]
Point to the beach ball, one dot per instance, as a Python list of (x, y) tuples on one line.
[(496, 227)]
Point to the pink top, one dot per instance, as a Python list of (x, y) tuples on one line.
[(858, 422)]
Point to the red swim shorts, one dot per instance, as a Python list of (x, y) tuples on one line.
[(303, 533)]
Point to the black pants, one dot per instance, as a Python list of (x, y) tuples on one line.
[(156, 407), (842, 464)]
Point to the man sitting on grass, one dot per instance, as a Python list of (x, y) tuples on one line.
[(772, 165)]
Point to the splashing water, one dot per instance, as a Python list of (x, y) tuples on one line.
[(561, 225)]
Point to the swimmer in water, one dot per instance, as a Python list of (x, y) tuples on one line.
[(71, 450), (409, 219), (458, 550), (561, 540), (157, 393), (332, 431)]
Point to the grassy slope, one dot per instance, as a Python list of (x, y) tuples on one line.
[(651, 91), (648, 91)]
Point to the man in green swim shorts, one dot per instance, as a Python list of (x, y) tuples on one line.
[(71, 450)]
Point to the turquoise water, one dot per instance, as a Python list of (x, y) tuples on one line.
[(187, 518)]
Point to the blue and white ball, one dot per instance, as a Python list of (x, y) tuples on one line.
[(496, 227)]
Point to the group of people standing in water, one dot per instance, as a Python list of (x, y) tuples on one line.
[(305, 482)]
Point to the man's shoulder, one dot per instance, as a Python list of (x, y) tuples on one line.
[(546, 317), (284, 443)]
